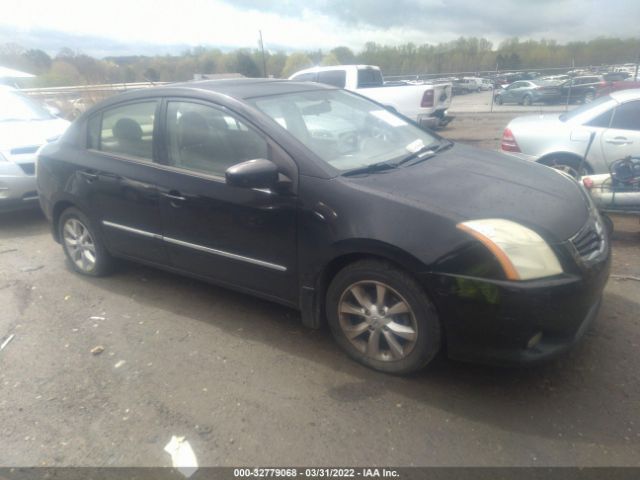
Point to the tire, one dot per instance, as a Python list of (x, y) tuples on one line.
[(91, 257), (527, 100), (361, 322), (589, 97), (571, 165), (499, 100)]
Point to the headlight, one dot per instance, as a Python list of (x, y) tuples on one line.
[(522, 253)]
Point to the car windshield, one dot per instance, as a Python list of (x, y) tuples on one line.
[(565, 117), (16, 107), (344, 130)]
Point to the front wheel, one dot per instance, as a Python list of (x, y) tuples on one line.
[(588, 97), (527, 101), (82, 244), (499, 100), (382, 317)]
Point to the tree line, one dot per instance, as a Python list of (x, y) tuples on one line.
[(466, 54)]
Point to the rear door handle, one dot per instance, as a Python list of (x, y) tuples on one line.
[(88, 175), (174, 196), (619, 141)]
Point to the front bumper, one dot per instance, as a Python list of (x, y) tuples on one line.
[(17, 189), (515, 323)]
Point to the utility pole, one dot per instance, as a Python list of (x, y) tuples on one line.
[(264, 60)]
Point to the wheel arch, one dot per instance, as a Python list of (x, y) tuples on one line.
[(58, 208), (345, 253), (548, 157)]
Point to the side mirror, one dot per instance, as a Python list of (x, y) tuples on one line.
[(258, 173)]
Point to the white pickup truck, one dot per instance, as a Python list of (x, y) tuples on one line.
[(426, 104)]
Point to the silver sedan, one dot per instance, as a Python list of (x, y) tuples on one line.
[(560, 140), (24, 127)]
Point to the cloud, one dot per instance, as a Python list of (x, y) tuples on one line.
[(560, 19), (296, 25)]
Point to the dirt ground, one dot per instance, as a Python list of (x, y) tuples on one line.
[(246, 384)]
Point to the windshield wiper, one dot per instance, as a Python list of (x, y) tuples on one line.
[(425, 152), (374, 167)]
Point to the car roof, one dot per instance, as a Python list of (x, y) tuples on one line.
[(243, 88), (626, 95)]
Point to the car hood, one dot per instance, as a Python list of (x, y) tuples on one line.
[(465, 183), (30, 133)]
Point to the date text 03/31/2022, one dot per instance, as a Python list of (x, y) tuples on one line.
[(315, 472)]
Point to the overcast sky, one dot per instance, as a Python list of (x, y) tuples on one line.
[(134, 26)]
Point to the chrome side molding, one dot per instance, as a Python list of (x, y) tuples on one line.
[(194, 246)]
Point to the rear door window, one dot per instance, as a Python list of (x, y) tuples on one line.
[(126, 130)]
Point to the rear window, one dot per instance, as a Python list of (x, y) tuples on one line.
[(336, 78), (627, 116), (369, 77)]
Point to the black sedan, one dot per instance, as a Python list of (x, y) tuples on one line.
[(307, 195)]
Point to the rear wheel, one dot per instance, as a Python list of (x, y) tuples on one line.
[(527, 100), (499, 100), (82, 244), (574, 166), (382, 317)]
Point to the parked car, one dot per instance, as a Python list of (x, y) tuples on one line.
[(487, 84), (426, 104), (609, 87), (581, 89), (528, 92), (324, 201), (561, 140), (24, 126), (467, 85)]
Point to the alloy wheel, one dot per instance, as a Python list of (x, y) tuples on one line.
[(377, 321), (79, 244)]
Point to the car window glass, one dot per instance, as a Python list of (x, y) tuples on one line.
[(369, 77), (627, 116), (304, 77), (128, 130), (210, 140), (345, 130), (333, 77), (603, 120)]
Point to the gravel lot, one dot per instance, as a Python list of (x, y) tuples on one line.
[(246, 384)]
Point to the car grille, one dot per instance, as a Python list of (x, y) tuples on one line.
[(589, 241), (28, 168)]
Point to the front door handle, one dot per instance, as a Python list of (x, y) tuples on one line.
[(619, 141)]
